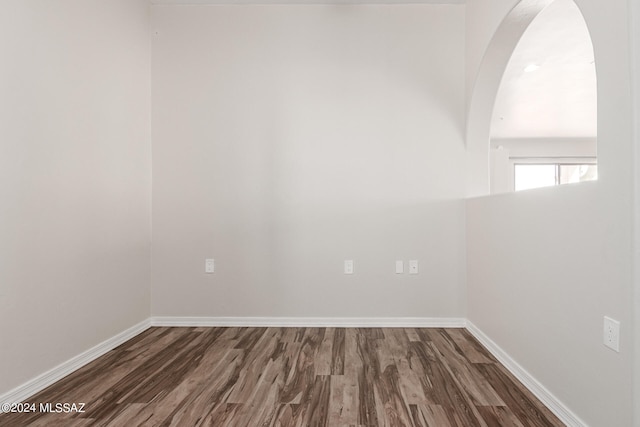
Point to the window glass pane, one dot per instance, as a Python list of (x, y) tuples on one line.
[(570, 174), (534, 176)]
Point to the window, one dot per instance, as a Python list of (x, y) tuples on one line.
[(548, 172)]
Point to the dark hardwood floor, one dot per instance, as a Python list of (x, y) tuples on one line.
[(292, 377)]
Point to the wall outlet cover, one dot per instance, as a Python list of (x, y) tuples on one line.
[(209, 265), (413, 266), (611, 336)]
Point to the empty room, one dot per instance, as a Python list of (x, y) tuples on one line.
[(320, 213)]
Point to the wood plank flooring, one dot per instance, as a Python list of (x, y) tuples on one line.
[(293, 377)]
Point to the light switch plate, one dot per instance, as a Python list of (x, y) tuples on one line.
[(209, 265), (348, 266), (399, 267)]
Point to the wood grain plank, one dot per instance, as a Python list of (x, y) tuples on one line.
[(519, 400), (322, 363), (318, 402), (368, 371), (301, 375), (431, 416), (470, 347), (474, 383), (499, 416), (209, 397), (258, 344), (338, 352), (443, 388), (412, 334)]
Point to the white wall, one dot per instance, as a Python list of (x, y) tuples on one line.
[(74, 179), (290, 138), (635, 75), (545, 266), (482, 19)]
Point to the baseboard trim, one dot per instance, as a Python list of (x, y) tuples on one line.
[(28, 389), (338, 322), (39, 383), (546, 397)]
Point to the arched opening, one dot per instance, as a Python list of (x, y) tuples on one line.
[(544, 123), (481, 179)]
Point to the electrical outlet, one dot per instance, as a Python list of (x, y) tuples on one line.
[(348, 266), (413, 266), (612, 333), (209, 265)]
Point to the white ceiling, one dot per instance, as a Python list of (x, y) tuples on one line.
[(558, 99), (308, 1)]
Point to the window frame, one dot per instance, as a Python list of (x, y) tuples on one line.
[(558, 161)]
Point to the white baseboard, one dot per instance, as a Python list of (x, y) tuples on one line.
[(23, 392), (337, 322), (546, 397), (28, 389)]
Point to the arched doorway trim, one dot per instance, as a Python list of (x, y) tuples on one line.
[(485, 89)]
